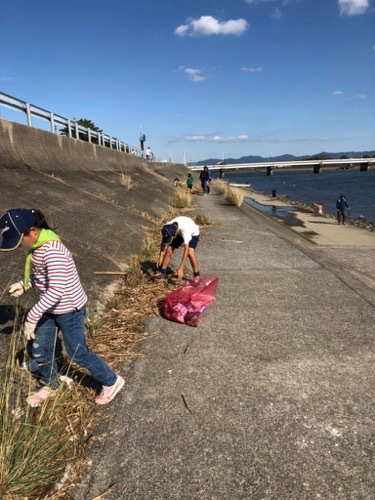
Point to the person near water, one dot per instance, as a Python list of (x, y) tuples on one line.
[(341, 206), (319, 208), (189, 183), (179, 232), (50, 269)]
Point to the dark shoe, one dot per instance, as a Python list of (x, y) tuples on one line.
[(158, 276)]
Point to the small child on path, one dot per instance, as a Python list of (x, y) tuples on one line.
[(61, 306), (189, 182)]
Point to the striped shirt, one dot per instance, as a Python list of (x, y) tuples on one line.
[(54, 274)]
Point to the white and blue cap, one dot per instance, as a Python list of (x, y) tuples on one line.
[(13, 225)]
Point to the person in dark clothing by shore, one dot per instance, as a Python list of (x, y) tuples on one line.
[(342, 205)]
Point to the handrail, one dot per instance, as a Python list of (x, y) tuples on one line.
[(72, 126)]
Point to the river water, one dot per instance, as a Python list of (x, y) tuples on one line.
[(324, 188)]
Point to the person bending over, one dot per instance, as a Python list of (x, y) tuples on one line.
[(179, 232)]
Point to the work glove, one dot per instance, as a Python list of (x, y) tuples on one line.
[(16, 290), (29, 330)]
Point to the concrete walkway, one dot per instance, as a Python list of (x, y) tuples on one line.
[(271, 397)]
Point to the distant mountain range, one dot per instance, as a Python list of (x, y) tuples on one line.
[(287, 157)]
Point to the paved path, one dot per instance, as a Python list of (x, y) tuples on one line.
[(271, 397)]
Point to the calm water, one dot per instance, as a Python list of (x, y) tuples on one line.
[(358, 187)]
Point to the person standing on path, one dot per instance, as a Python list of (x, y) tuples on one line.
[(204, 177), (189, 183), (181, 231), (341, 206), (50, 268)]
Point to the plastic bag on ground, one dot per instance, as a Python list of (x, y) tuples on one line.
[(186, 304)]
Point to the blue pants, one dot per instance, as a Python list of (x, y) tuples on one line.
[(204, 186), (72, 327)]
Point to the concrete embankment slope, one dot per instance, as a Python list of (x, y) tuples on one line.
[(77, 185)]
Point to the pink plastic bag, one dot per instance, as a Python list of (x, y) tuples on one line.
[(186, 304)]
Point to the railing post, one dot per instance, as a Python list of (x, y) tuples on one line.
[(28, 114), (52, 121), (69, 129)]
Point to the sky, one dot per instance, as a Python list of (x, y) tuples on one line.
[(200, 78)]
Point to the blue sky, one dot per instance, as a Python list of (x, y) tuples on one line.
[(201, 78)]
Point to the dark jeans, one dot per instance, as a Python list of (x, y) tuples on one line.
[(341, 216)]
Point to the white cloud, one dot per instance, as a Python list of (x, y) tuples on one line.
[(212, 138), (276, 14), (208, 25), (252, 70), (6, 78), (242, 138), (195, 75), (358, 96), (353, 7), (373, 48)]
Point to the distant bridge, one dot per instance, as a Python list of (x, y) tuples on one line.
[(364, 165)]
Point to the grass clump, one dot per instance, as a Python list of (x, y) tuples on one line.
[(202, 220), (234, 196), (221, 186), (181, 199), (126, 181), (37, 444)]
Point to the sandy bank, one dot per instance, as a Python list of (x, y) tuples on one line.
[(319, 229)]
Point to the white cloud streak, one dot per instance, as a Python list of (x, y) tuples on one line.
[(208, 26), (252, 70), (353, 7), (194, 74), (243, 138)]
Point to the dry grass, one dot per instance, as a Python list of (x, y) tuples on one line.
[(181, 199), (202, 220), (38, 444), (221, 186), (126, 181), (234, 196)]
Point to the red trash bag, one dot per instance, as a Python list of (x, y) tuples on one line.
[(186, 304)]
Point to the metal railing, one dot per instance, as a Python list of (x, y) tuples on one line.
[(72, 128)]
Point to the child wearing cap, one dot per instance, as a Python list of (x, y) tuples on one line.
[(181, 231), (61, 306)]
